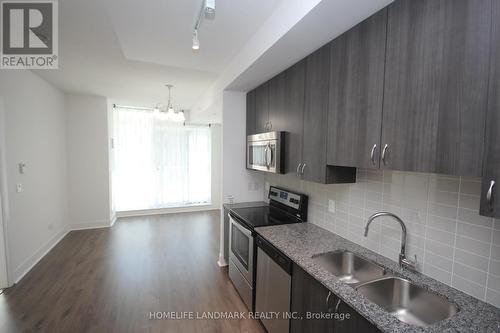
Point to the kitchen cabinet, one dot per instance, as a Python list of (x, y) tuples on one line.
[(315, 115), (310, 296), (262, 108), (316, 103), (436, 83), (277, 109), (266, 106), (356, 94), (293, 119), (490, 196), (251, 112), (355, 324)]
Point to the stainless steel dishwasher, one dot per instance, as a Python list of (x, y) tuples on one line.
[(273, 286)]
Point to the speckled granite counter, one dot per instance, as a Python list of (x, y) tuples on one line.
[(303, 240)]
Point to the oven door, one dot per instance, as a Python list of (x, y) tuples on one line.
[(241, 249), (263, 156)]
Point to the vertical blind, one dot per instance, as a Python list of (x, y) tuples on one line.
[(159, 164)]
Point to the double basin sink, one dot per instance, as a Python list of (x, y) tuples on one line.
[(406, 301)]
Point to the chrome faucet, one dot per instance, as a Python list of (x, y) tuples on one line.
[(403, 261)]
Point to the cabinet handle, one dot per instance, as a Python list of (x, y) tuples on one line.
[(337, 306), (489, 195), (303, 167), (328, 300), (372, 155), (298, 170), (383, 152)]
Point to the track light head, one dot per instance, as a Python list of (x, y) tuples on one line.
[(196, 42)]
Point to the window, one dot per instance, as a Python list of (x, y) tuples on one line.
[(159, 164)]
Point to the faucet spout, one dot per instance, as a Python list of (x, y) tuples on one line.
[(403, 261)]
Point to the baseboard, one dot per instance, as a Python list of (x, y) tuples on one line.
[(162, 211), (90, 225), (28, 264), (113, 220), (222, 261)]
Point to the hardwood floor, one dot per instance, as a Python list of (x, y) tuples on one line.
[(110, 280)]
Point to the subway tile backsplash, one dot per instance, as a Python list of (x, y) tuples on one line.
[(453, 244)]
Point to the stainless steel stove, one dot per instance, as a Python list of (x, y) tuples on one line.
[(284, 207)]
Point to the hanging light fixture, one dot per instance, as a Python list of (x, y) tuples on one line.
[(196, 41), (169, 114)]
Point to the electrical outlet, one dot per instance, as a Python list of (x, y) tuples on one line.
[(19, 188), (253, 186), (331, 206)]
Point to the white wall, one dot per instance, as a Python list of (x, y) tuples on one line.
[(4, 278), (88, 161), (35, 135), (111, 166), (237, 181), (216, 164)]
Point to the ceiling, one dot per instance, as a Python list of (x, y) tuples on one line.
[(128, 50)]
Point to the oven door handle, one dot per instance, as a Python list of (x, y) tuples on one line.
[(241, 228)]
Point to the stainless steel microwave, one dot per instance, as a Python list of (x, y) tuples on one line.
[(265, 152)]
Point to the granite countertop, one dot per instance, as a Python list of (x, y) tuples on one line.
[(301, 241)]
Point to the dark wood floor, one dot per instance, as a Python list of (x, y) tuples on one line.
[(109, 280)]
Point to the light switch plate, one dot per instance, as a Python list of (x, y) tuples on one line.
[(331, 206), (19, 188)]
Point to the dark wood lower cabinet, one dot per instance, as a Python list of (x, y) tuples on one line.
[(355, 322), (309, 297), (316, 309)]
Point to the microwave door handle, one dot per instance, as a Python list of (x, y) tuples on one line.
[(266, 152), (265, 156)]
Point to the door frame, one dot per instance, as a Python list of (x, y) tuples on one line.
[(5, 278)]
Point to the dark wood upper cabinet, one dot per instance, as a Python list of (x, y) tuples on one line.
[(316, 115), (293, 118), (251, 113), (356, 94), (490, 196), (277, 110), (262, 108), (436, 79)]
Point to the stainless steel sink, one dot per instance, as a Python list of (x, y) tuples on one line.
[(349, 267), (408, 302)]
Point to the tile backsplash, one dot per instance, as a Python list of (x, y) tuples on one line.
[(452, 243)]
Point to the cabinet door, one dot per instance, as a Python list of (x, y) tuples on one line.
[(315, 115), (352, 322), (356, 94), (490, 204), (435, 91), (251, 113), (277, 111), (294, 106), (262, 108), (308, 295)]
